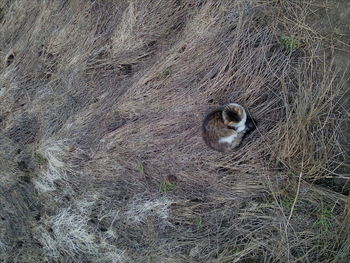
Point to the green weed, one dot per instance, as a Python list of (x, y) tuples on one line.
[(40, 159), (287, 202), (325, 218), (199, 223), (164, 74), (289, 43), (341, 257), (166, 186), (140, 168)]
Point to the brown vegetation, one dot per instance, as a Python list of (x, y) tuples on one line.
[(102, 158)]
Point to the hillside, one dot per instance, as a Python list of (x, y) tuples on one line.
[(101, 154)]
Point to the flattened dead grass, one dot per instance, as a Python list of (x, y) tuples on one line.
[(112, 95)]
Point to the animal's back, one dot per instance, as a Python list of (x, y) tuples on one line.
[(214, 129)]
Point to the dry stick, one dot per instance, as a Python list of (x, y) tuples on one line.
[(294, 202), (296, 195), (295, 199)]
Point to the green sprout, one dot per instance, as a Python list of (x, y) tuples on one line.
[(140, 168), (199, 223), (290, 43), (325, 217), (40, 159), (166, 186)]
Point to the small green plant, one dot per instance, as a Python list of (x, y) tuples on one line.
[(325, 217), (166, 186), (199, 223), (289, 43), (287, 202), (337, 31), (341, 257), (140, 168), (164, 74), (40, 159)]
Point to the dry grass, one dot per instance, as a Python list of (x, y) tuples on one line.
[(103, 161)]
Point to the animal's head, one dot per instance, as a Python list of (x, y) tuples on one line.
[(235, 116), (250, 124)]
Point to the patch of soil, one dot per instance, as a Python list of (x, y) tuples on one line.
[(333, 22)]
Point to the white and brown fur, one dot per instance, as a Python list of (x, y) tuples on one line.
[(224, 128)]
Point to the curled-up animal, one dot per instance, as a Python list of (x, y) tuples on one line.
[(224, 128)]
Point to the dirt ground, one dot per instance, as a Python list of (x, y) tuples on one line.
[(334, 23)]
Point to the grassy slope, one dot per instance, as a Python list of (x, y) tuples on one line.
[(102, 158)]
